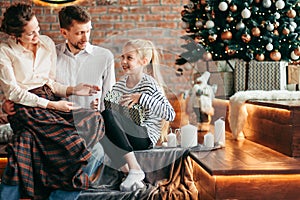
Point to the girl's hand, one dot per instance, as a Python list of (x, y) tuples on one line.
[(62, 105), (83, 90), (94, 104), (130, 99)]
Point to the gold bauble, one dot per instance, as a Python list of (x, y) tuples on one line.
[(226, 35), (246, 37), (297, 51), (291, 13), (285, 31), (275, 32), (275, 55), (255, 31), (233, 8), (260, 57), (207, 56)]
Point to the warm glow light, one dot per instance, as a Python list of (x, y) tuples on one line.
[(56, 3)]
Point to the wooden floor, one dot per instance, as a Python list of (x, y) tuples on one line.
[(246, 170)]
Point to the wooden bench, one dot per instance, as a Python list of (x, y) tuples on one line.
[(275, 124), (246, 170)]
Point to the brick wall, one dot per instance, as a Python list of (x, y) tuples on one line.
[(158, 20)]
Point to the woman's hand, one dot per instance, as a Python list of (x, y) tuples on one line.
[(8, 107), (83, 90), (130, 99), (62, 105)]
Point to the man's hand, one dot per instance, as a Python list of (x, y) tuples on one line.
[(83, 90), (8, 107)]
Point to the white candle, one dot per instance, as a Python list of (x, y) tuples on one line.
[(220, 132), (208, 140), (189, 136), (171, 140)]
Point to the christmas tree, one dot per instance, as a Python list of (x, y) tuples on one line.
[(262, 30)]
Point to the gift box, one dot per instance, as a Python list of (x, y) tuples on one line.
[(136, 112), (293, 74), (256, 75)]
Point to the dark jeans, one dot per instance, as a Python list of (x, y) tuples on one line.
[(122, 136)]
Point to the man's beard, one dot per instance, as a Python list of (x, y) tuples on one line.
[(76, 46)]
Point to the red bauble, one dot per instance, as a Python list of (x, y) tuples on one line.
[(275, 55)]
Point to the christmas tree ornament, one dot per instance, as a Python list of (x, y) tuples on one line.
[(294, 56), (269, 47), (246, 37), (229, 51), (275, 55), (212, 38), (223, 6), (260, 57), (270, 27), (297, 51), (199, 24), (209, 24), (203, 2), (294, 24), (207, 56), (285, 31), (257, 1), (255, 31), (246, 13), (292, 28), (280, 4), (226, 35), (275, 32), (276, 24), (277, 15), (267, 3), (207, 8), (233, 8), (229, 19), (291, 13), (240, 26)]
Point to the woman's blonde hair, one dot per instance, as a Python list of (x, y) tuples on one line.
[(146, 49)]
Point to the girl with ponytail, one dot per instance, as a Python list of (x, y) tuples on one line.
[(142, 84)]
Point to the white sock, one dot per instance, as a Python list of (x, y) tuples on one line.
[(133, 181)]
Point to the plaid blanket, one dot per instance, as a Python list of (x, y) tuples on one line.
[(49, 148)]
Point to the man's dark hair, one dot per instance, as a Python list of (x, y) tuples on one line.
[(15, 18), (74, 12)]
